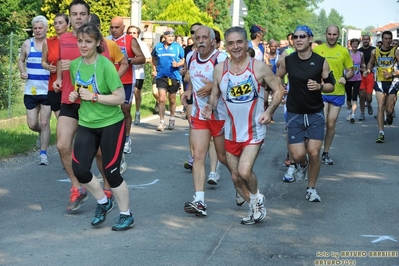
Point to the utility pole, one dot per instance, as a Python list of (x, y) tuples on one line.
[(238, 10), (135, 14)]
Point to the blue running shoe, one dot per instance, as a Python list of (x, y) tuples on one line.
[(123, 222), (101, 212)]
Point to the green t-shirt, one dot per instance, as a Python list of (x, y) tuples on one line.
[(104, 81), (338, 59)]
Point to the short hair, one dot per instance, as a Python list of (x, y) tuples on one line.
[(237, 29), (79, 2), (251, 52), (66, 18), (93, 31), (95, 20), (217, 35), (354, 40), (40, 19), (387, 32), (196, 24), (289, 34), (137, 28), (161, 37), (332, 26)]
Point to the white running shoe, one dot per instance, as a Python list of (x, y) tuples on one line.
[(128, 146), (312, 196), (213, 178), (289, 175), (239, 200), (43, 159), (123, 166), (259, 210)]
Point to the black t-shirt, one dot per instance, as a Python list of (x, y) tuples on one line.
[(300, 99), (187, 50), (366, 53)]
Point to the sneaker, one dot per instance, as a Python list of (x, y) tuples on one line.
[(43, 160), (325, 159), (123, 222), (389, 119), (213, 178), (76, 199), (39, 141), (160, 126), (156, 108), (312, 196), (101, 212), (123, 166), (302, 173), (381, 138), (352, 119), (137, 119), (189, 164), (171, 124), (259, 210), (369, 109), (196, 207), (248, 219), (362, 117), (128, 146), (289, 175), (239, 200), (348, 115)]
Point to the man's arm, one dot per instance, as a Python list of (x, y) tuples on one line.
[(215, 93), (22, 58), (371, 64), (123, 66), (139, 57)]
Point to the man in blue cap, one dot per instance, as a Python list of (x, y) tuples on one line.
[(309, 75), (257, 34)]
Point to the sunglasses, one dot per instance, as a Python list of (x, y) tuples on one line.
[(302, 36), (192, 31)]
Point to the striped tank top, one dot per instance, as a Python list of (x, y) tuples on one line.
[(37, 82)]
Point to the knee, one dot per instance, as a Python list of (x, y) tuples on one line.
[(82, 172), (114, 179)]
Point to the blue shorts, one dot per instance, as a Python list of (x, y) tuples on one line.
[(305, 126), (31, 101), (336, 100), (128, 93)]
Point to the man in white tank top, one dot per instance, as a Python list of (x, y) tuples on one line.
[(240, 82), (36, 86)]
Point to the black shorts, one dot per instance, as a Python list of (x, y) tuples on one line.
[(171, 85), (54, 99), (70, 110), (31, 101), (139, 84)]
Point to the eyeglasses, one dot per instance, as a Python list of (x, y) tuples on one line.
[(192, 31), (295, 37)]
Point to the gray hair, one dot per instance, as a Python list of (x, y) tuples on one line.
[(40, 19), (236, 29), (211, 32)]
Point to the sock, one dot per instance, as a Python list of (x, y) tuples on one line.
[(172, 118), (104, 200), (325, 153), (200, 196), (43, 152), (382, 132), (253, 197), (162, 121), (126, 212), (127, 139), (310, 188)]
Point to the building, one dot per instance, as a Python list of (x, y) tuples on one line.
[(392, 27)]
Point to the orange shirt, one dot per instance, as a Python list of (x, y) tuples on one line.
[(53, 54)]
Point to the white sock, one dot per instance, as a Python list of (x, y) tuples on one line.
[(200, 195), (126, 212), (103, 200), (253, 197)]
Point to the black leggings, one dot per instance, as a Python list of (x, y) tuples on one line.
[(87, 141), (352, 95)]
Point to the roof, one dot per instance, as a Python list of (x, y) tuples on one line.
[(390, 26)]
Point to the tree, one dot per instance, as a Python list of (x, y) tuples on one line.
[(334, 18), (218, 10)]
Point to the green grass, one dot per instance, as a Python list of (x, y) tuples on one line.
[(16, 138)]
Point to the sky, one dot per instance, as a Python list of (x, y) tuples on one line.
[(363, 13)]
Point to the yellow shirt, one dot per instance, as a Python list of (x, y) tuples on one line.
[(384, 61)]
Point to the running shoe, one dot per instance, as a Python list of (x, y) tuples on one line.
[(389, 119), (289, 175), (249, 218), (312, 196), (171, 124), (239, 200), (43, 160), (352, 119), (259, 210), (161, 126), (362, 117), (189, 163), (76, 198), (123, 166), (381, 138), (369, 109), (195, 207), (39, 141), (128, 146), (213, 178), (302, 173), (348, 115), (137, 119), (325, 159), (101, 212), (123, 222)]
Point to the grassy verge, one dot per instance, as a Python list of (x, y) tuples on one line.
[(16, 138)]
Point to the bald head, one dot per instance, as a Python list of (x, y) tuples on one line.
[(116, 27)]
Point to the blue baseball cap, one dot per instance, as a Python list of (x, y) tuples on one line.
[(256, 28)]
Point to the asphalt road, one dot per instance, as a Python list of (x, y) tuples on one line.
[(358, 215)]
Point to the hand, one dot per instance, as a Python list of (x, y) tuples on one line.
[(174, 63), (342, 80), (313, 85), (57, 85), (386, 74), (185, 96), (52, 68), (365, 73), (206, 89), (207, 112), (85, 94), (265, 118), (23, 75), (65, 64), (73, 96), (154, 74)]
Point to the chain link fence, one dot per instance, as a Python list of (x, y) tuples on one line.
[(11, 90)]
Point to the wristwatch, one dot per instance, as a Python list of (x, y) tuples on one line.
[(94, 98), (321, 87)]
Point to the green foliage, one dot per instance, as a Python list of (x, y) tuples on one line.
[(218, 10), (153, 8)]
